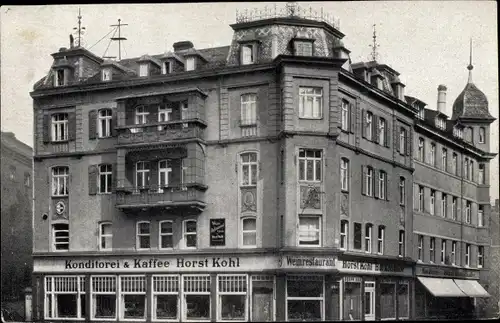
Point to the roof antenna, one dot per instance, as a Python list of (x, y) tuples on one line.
[(470, 67), (119, 38), (374, 47), (79, 31)]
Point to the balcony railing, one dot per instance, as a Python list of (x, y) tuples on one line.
[(188, 195), (160, 132)]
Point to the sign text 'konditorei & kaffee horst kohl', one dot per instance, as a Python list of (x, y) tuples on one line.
[(153, 263)]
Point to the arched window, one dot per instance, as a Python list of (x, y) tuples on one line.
[(249, 232)]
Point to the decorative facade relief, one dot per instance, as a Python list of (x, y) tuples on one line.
[(344, 204), (249, 199), (310, 197)]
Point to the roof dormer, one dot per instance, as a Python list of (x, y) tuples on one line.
[(171, 63), (148, 66), (303, 44), (377, 79), (398, 88), (194, 60), (111, 70), (62, 71), (458, 131)]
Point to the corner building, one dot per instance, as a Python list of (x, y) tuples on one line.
[(262, 181)]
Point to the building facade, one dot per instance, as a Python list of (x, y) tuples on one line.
[(16, 217), (267, 180)]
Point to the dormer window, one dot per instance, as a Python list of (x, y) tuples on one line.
[(143, 70), (420, 114), (440, 123), (458, 132), (190, 63), (166, 68), (303, 47), (247, 54), (106, 74), (59, 77)]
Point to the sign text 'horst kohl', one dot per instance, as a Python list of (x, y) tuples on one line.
[(153, 263), (368, 266)]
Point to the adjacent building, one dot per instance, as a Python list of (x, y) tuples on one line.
[(270, 179), (17, 263)]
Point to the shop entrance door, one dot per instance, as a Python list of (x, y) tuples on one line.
[(262, 304), (369, 300)]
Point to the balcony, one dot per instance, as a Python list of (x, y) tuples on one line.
[(187, 197), (167, 131)]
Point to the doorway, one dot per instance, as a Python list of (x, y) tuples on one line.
[(369, 300)]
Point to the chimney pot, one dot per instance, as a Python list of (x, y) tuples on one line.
[(441, 100)]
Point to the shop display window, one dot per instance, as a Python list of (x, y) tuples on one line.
[(305, 298), (65, 297), (196, 289), (232, 297), (104, 297), (133, 297), (166, 297)]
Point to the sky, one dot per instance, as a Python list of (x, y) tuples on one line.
[(426, 41)]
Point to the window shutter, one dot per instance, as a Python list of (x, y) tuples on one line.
[(92, 124), (363, 180), (375, 129), (363, 123), (93, 179), (72, 126), (352, 116), (375, 177), (408, 143), (153, 174), (114, 180), (46, 128), (114, 120), (387, 136)]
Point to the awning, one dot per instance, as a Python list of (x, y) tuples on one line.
[(472, 288), (441, 287)]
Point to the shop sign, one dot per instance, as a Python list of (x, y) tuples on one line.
[(370, 267), (217, 232), (291, 261), (156, 264), (447, 272)]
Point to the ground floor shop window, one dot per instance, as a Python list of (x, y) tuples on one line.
[(305, 298), (232, 297), (352, 298), (387, 300), (403, 300), (133, 297), (166, 297), (196, 289), (262, 298), (65, 297), (103, 297)]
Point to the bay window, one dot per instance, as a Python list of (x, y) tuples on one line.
[(232, 297), (196, 294), (480, 177), (305, 298), (166, 290), (309, 230), (310, 102), (65, 297)]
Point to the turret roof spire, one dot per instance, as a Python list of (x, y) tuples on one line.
[(470, 67)]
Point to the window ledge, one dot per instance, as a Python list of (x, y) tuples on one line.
[(59, 141), (311, 118)]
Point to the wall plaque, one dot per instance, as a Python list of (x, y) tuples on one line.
[(217, 232)]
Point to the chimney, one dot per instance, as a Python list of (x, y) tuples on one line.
[(441, 102), (182, 45)]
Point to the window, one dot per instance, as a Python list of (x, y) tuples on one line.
[(454, 164), (12, 172), (166, 68), (421, 198), (468, 207), (163, 174), (344, 233), (440, 123), (444, 159), (59, 77), (303, 48), (458, 132), (471, 170), (344, 174), (432, 207), (401, 252), (189, 233), (143, 235), (60, 176), (190, 64), (466, 168), (467, 255), (248, 169), (357, 235), (143, 70), (420, 153), (454, 208), (166, 297), (247, 54), (309, 230), (369, 125), (380, 239), (105, 179), (248, 109), (60, 127), (480, 256), (141, 115), (305, 297), (65, 297), (142, 174), (432, 158), (103, 299), (480, 175), (106, 74), (344, 115), (184, 113), (310, 102), (444, 205), (166, 234), (382, 184), (369, 181), (420, 256), (310, 163), (453, 253), (469, 134), (164, 114), (421, 113), (482, 135), (402, 140), (432, 248), (402, 191), (27, 179), (105, 236), (381, 131), (232, 296), (184, 176), (60, 236), (368, 238), (480, 216), (249, 232), (104, 123), (133, 297), (196, 292), (443, 251)]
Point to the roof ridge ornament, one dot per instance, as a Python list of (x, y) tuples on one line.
[(470, 66), (374, 54)]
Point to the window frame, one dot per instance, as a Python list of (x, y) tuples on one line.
[(307, 277), (421, 198), (382, 131), (143, 69), (402, 191), (103, 235), (59, 182), (107, 173), (227, 283), (55, 243), (138, 235), (243, 231), (196, 278), (401, 244), (402, 140), (480, 216), (104, 118), (421, 149), (432, 250), (369, 125), (344, 174), (59, 127), (161, 234), (166, 67), (166, 113), (369, 181), (111, 292), (481, 174), (248, 109), (314, 160), (444, 204), (190, 63), (444, 159), (480, 256), (368, 237), (454, 210), (454, 161), (299, 50), (420, 248), (168, 282), (344, 234), (51, 293), (432, 202), (454, 253), (468, 212), (358, 224), (60, 77), (243, 57), (467, 255), (185, 234), (432, 154), (145, 171), (137, 291), (482, 135), (381, 240), (248, 165), (141, 114), (382, 185), (443, 251), (307, 93), (344, 115), (318, 231)]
